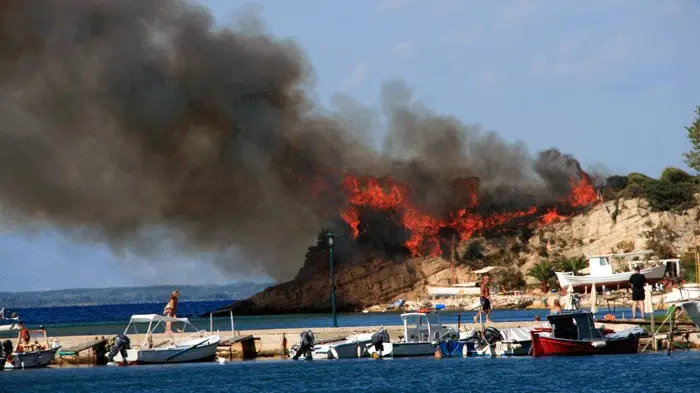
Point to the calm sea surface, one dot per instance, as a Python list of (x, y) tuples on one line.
[(646, 373), (112, 319)]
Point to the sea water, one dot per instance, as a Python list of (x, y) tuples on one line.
[(649, 372)]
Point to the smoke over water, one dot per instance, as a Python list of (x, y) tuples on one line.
[(136, 121)]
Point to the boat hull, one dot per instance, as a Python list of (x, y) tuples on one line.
[(405, 349), (651, 274), (501, 348), (457, 348), (685, 293), (548, 346), (355, 349), (176, 354), (34, 359), (693, 311)]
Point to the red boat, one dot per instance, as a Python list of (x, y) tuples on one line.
[(575, 334)]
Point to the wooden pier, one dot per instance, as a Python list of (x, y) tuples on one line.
[(251, 344)]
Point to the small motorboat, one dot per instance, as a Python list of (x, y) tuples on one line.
[(504, 342), (353, 346), (574, 334), (8, 324), (29, 355), (197, 347), (423, 334)]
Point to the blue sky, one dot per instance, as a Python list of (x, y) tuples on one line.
[(612, 82)]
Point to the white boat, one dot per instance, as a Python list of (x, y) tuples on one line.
[(692, 308), (353, 346), (507, 342), (196, 347), (422, 332), (34, 355), (601, 271), (689, 291), (471, 288), (8, 324)]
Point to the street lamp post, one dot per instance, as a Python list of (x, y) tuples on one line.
[(330, 237)]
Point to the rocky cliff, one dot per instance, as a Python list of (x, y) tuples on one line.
[(600, 229)]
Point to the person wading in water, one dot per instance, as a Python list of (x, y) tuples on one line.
[(637, 281), (171, 309), (485, 299)]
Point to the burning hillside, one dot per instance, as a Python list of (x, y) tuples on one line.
[(139, 122), (367, 196)]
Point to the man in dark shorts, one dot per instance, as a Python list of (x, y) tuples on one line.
[(637, 281), (485, 299)]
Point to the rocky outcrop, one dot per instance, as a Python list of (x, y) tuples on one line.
[(357, 286), (601, 229), (598, 230)]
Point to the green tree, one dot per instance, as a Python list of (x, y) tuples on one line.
[(571, 264), (542, 271), (692, 158)]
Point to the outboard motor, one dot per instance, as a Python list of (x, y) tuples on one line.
[(121, 344), (492, 335), (451, 333), (379, 338), (306, 344), (472, 335)]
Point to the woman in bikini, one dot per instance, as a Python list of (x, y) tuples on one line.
[(171, 309)]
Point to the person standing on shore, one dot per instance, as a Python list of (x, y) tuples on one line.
[(485, 299), (171, 309), (637, 281)]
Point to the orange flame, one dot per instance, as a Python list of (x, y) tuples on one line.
[(582, 191), (387, 195), (551, 216)]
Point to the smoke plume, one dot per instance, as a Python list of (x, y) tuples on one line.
[(136, 120)]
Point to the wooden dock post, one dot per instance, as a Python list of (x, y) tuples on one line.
[(671, 326), (654, 347)]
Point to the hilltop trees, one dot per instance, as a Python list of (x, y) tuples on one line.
[(692, 158)]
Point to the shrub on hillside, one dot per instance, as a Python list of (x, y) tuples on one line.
[(616, 183), (665, 195), (675, 175), (636, 185)]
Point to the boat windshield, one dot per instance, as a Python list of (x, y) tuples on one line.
[(574, 326), (153, 323), (433, 319)]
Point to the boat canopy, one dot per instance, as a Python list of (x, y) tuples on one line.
[(148, 318), (574, 326), (420, 327)]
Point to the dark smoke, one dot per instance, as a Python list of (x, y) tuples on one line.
[(124, 119)]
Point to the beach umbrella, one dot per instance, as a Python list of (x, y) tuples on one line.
[(594, 299), (648, 304), (568, 299)]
